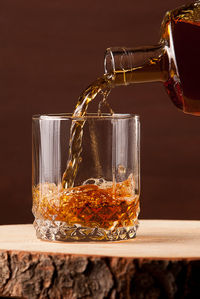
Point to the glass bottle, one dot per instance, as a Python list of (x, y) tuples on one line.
[(175, 60)]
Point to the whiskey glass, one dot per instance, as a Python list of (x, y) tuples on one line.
[(102, 201)]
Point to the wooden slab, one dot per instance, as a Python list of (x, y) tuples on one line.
[(158, 239), (162, 262)]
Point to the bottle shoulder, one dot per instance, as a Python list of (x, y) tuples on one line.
[(189, 13)]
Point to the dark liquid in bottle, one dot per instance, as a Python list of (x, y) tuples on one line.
[(184, 87)]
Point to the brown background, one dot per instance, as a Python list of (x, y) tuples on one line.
[(51, 50)]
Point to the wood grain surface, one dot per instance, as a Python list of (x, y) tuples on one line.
[(157, 239), (163, 261)]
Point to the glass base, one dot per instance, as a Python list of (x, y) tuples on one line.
[(60, 231)]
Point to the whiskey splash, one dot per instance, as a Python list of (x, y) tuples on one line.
[(89, 205), (102, 87)]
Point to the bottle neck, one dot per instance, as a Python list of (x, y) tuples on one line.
[(146, 64)]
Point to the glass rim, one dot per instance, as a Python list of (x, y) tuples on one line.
[(69, 116)]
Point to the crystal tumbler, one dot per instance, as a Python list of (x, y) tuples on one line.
[(86, 177)]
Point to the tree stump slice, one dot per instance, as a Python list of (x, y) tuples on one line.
[(163, 261)]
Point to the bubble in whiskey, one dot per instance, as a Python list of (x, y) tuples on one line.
[(121, 169), (97, 182)]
